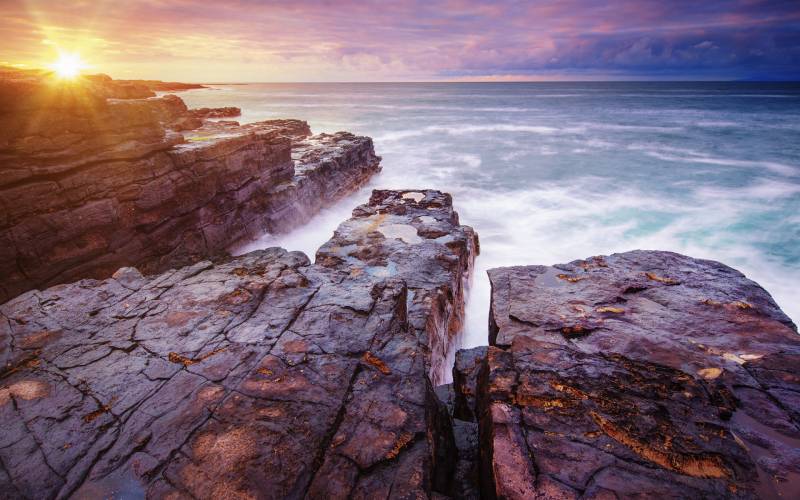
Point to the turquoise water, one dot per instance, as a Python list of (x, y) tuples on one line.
[(551, 172)]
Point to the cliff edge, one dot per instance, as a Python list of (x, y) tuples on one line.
[(641, 373), (263, 376), (89, 184)]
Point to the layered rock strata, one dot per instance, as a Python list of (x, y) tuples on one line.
[(90, 184), (638, 374), (260, 377), (226, 112)]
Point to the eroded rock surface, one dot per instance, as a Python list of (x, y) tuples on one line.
[(375, 243), (225, 112), (642, 373), (260, 377), (89, 184)]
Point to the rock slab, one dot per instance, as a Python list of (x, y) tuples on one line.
[(637, 374), (263, 376)]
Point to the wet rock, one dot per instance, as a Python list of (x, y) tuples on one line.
[(91, 184), (446, 395), (468, 364), (402, 233), (642, 373), (263, 376), (467, 472)]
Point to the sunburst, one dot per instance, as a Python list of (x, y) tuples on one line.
[(68, 65)]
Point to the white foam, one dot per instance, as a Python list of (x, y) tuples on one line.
[(526, 215), (682, 155)]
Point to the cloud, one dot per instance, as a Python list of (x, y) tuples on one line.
[(249, 40)]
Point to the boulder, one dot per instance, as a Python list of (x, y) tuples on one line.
[(637, 374)]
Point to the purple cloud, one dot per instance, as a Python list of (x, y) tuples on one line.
[(248, 40)]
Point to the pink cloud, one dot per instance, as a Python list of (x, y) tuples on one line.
[(248, 40)]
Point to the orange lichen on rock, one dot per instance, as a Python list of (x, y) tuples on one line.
[(174, 357), (710, 373), (597, 261), (377, 362), (538, 402), (28, 362), (661, 279), (608, 309), (575, 330), (738, 304), (401, 443), (90, 417), (567, 277), (572, 391), (706, 466)]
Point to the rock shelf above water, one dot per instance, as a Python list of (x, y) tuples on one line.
[(262, 376), (642, 373)]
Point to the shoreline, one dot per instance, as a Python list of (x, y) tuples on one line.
[(146, 359)]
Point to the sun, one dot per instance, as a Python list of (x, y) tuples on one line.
[(68, 65)]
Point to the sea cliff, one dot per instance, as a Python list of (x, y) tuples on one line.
[(89, 184)]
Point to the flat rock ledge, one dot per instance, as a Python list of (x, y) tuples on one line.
[(90, 183), (262, 376), (642, 374)]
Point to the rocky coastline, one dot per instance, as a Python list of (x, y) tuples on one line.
[(91, 183), (138, 359)]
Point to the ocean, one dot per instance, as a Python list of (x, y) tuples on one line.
[(551, 172)]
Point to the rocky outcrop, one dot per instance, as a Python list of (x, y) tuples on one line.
[(226, 112), (375, 244), (159, 86), (91, 184), (260, 377), (642, 373), (116, 89)]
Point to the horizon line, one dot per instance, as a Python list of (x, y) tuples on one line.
[(449, 81), (479, 81)]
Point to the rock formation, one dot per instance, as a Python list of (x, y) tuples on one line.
[(159, 86), (259, 377), (646, 374), (226, 112), (90, 184), (376, 242), (642, 373)]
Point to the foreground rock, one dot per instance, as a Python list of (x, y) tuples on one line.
[(90, 184), (643, 373), (260, 377)]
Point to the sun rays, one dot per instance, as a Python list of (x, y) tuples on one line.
[(68, 65)]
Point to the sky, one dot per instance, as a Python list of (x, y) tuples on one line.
[(217, 41)]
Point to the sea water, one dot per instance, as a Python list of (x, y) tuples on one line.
[(551, 172)]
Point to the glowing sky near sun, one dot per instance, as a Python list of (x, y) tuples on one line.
[(249, 40)]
